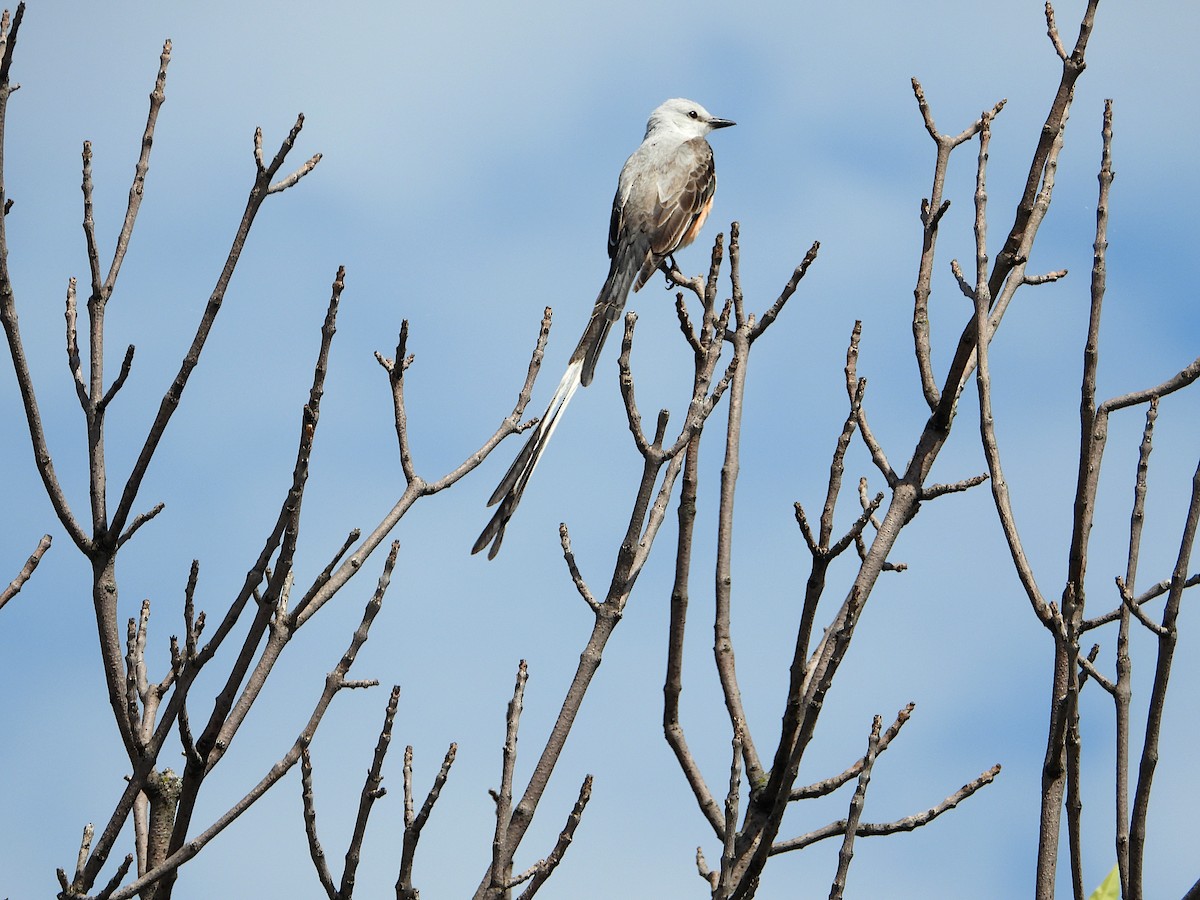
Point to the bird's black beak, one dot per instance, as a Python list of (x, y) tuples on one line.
[(721, 123)]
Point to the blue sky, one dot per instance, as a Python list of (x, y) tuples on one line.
[(470, 153)]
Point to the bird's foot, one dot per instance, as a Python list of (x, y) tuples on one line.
[(669, 267)]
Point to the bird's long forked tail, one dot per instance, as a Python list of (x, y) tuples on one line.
[(508, 492), (607, 310)]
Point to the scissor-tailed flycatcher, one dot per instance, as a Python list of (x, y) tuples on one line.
[(663, 197)]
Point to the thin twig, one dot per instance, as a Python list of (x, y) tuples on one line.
[(14, 586), (983, 298), (829, 785), (837, 466), (139, 520), (315, 850), (772, 312), (650, 506), (673, 729), (414, 823), (1155, 707), (732, 796), (576, 576), (1130, 604), (933, 491), (545, 867), (1029, 214), (909, 823), (334, 682), (933, 209), (873, 447), (723, 651), (846, 854), (372, 790), (1087, 665), (171, 398), (502, 847)]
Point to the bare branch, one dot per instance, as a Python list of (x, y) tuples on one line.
[(414, 824), (396, 369), (1163, 586), (1123, 692), (1162, 675), (869, 506), (174, 393), (1178, 381), (723, 652), (685, 324), (806, 530), (833, 829), (855, 815), (788, 289), (139, 520), (854, 534), (33, 417), (673, 682), (1136, 608), (962, 137), (713, 878), (138, 187), (310, 826), (983, 302), (838, 464), (933, 491), (85, 848), (73, 359), (267, 172), (8, 318), (729, 831), (577, 577), (1029, 215), (649, 511), (1088, 666), (290, 180), (321, 580), (864, 430), (627, 392), (933, 209), (14, 586), (502, 847), (961, 279), (829, 785), (545, 867), (334, 682), (511, 425), (1052, 32), (1047, 278), (126, 365), (89, 229), (117, 878), (372, 790)]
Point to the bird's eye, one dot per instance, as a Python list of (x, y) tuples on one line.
[(692, 114)]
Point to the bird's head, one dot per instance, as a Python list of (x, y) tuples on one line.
[(684, 117)]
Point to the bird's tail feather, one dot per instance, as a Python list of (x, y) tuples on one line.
[(607, 310), (609, 303), (508, 492)]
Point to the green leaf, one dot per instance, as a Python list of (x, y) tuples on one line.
[(1110, 888)]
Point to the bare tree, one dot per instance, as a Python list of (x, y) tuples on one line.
[(745, 807), (749, 835), (269, 609), (1065, 621)]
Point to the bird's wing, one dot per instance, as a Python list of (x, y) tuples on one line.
[(684, 188)]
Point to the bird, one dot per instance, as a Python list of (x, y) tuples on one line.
[(664, 194)]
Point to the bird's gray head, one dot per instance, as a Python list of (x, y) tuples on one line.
[(684, 118)]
